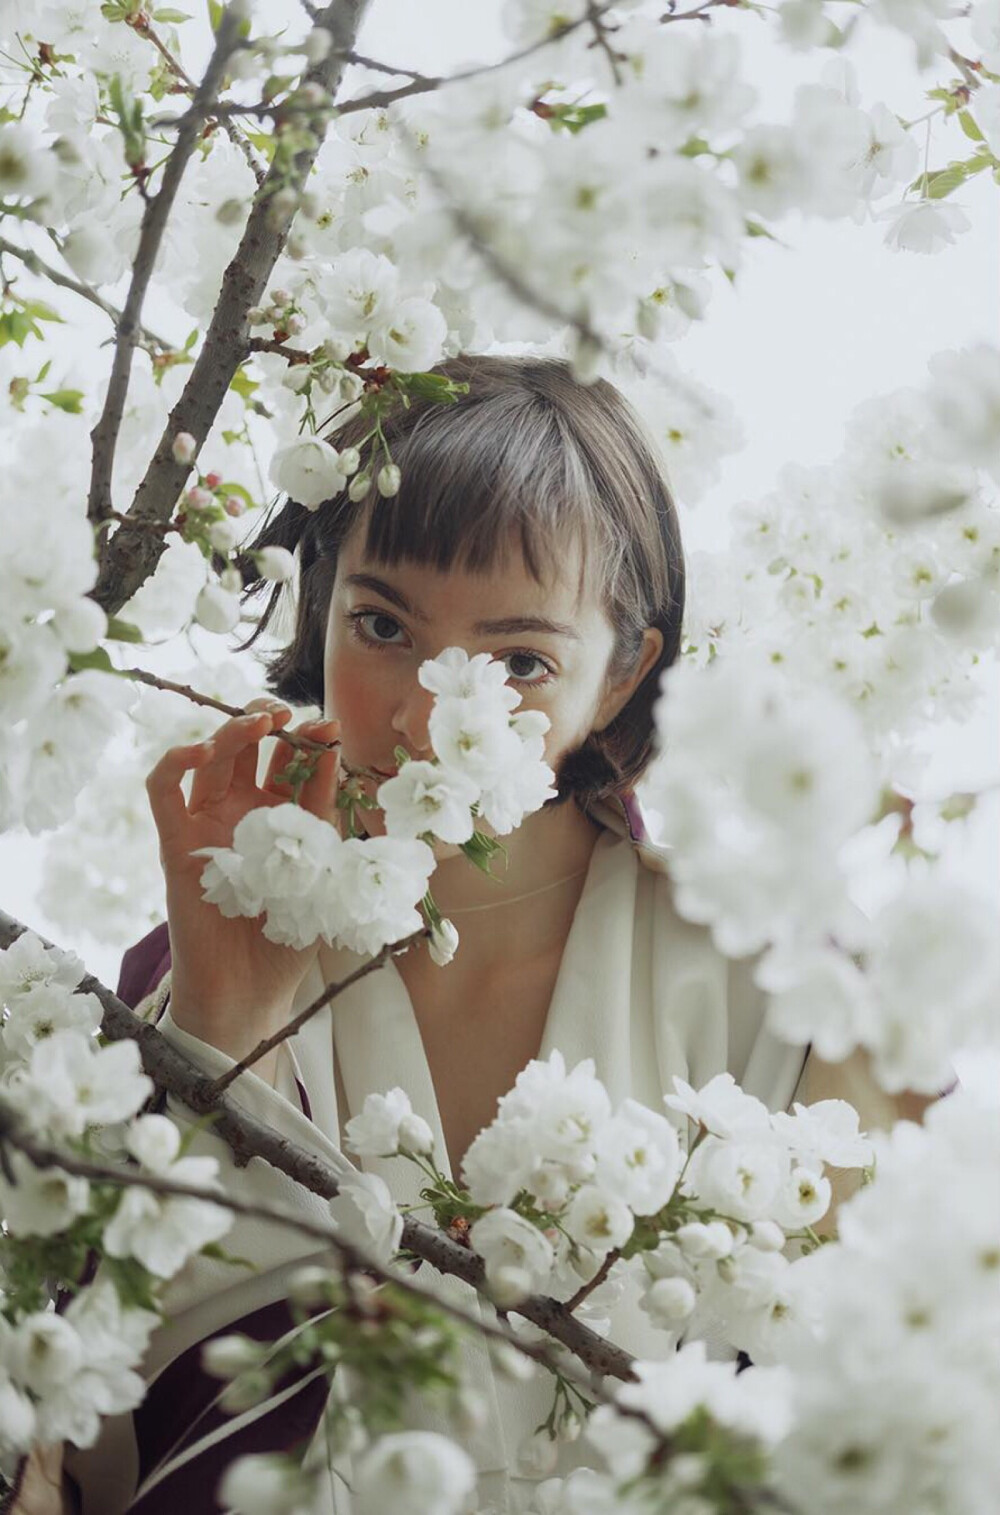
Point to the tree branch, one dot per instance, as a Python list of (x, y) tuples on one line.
[(36, 265), (141, 24), (248, 1137), (155, 681), (104, 436), (391, 949), (129, 557)]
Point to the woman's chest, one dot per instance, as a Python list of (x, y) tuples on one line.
[(478, 1032)]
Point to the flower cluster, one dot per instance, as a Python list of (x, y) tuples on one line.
[(363, 893), (107, 1249), (561, 1187)]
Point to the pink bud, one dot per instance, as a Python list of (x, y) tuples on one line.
[(198, 499), (184, 447), (233, 505), (213, 480)]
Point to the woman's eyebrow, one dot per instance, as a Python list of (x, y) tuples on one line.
[(505, 626)]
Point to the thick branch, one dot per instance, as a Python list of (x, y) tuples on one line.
[(248, 1138), (154, 220), (129, 557)]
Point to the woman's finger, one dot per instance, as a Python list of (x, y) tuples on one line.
[(247, 763), (163, 784), (213, 780), (319, 793)]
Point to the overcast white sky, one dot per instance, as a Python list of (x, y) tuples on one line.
[(806, 334)]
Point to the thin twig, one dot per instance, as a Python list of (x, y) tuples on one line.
[(330, 993), (154, 220), (155, 681), (598, 1278), (36, 265), (143, 26)]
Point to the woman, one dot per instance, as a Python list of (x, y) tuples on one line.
[(533, 523)]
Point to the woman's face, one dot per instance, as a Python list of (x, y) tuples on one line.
[(384, 622)]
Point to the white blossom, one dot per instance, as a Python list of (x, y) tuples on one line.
[(599, 1219), (386, 1123), (365, 1214), (508, 1243), (423, 797), (421, 1469), (69, 1084), (308, 471)]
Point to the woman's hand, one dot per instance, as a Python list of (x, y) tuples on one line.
[(43, 1487), (230, 985)]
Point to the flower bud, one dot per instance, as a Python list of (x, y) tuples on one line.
[(250, 1389), (228, 1356), (233, 505), (710, 1242), (350, 460), (213, 480), (669, 1301), (297, 378), (415, 1134), (309, 1287), (222, 536), (275, 564), (443, 942), (231, 212), (216, 609), (336, 349), (359, 487), (231, 580), (295, 324), (317, 45), (767, 1236), (280, 298), (389, 480), (256, 316), (198, 498), (538, 1454), (508, 1285), (352, 387), (184, 447)]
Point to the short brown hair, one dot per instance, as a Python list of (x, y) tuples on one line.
[(528, 451)]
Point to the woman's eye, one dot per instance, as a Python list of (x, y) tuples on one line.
[(524, 677), (377, 633)]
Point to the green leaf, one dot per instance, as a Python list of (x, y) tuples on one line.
[(239, 489), (15, 326), (167, 13), (969, 126), (242, 383), (43, 370), (99, 659), (69, 400), (190, 340), (218, 1254), (946, 181), (123, 631), (694, 147), (40, 311)]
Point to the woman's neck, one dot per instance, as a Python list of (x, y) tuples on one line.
[(549, 847)]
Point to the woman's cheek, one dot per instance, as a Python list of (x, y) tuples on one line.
[(352, 699)]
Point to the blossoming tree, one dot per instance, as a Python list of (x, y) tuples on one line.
[(276, 234)]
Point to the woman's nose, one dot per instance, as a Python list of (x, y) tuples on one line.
[(412, 720)]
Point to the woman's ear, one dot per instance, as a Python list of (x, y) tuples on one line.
[(618, 695)]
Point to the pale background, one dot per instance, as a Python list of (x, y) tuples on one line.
[(806, 335)]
